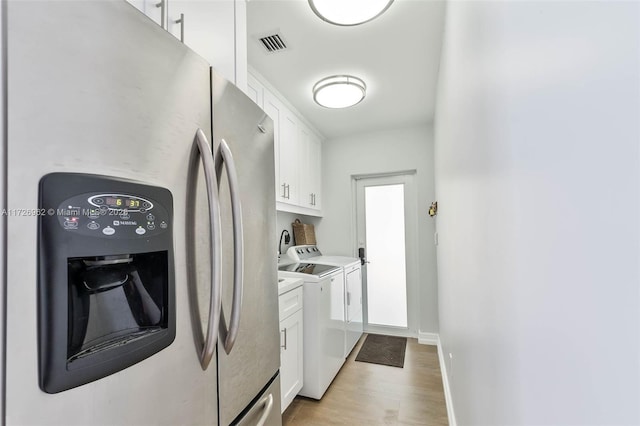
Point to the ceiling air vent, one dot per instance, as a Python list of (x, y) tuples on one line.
[(273, 43)]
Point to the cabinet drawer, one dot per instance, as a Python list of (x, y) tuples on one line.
[(290, 302)]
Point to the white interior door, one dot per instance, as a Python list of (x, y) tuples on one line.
[(386, 223)]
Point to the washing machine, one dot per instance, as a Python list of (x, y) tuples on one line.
[(352, 272)]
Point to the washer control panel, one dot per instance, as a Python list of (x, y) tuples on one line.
[(112, 215), (300, 253)]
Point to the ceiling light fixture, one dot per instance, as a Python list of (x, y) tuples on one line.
[(349, 12), (339, 91)]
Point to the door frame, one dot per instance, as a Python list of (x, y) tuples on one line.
[(408, 178)]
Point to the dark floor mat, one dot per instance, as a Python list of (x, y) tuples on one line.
[(385, 350)]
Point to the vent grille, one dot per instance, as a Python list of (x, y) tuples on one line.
[(273, 43)]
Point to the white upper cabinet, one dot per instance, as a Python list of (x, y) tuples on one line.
[(289, 148), (208, 27), (255, 90), (154, 9), (274, 109), (315, 166), (215, 29), (286, 146), (298, 152), (310, 163)]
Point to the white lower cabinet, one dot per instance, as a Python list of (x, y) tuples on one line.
[(291, 345)]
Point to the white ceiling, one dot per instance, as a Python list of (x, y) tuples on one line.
[(396, 54)]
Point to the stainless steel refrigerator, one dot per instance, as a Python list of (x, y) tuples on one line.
[(96, 88)]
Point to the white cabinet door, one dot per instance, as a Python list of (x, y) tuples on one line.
[(291, 357), (314, 165), (274, 109), (306, 179), (298, 154), (255, 91), (355, 324), (215, 29), (151, 8), (209, 28), (310, 152), (354, 293), (288, 148)]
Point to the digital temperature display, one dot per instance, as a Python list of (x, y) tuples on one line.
[(122, 202)]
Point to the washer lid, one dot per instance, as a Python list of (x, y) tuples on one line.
[(342, 261), (310, 269)]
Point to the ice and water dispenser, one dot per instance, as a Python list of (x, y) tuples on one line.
[(106, 277)]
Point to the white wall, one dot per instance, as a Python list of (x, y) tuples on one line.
[(388, 151), (537, 178), (284, 221)]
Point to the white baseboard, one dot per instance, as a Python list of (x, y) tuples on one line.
[(445, 384), (428, 338)]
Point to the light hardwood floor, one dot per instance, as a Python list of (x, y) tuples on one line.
[(371, 394)]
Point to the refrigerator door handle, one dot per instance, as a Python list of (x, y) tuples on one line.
[(267, 401), (238, 246), (215, 302)]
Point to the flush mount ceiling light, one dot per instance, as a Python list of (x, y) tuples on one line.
[(339, 91), (349, 12)]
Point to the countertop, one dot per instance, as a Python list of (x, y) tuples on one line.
[(287, 284)]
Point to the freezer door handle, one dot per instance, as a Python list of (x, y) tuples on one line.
[(238, 246), (267, 401), (215, 301)]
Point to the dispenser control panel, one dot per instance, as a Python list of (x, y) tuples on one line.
[(112, 215)]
